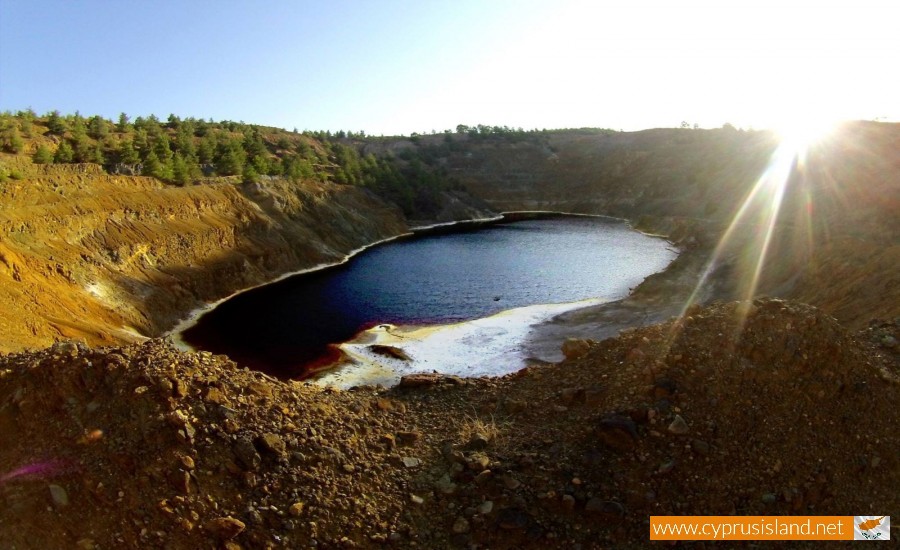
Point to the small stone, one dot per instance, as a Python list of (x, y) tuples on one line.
[(59, 495), (460, 526), (485, 507), (700, 447), (604, 507), (408, 438), (260, 388), (445, 485), (246, 454), (679, 426), (416, 499), (215, 395), (573, 348), (178, 418), (225, 528), (889, 342), (181, 388), (478, 462), (511, 483), (187, 462), (390, 351), (663, 388), (666, 467), (296, 509), (617, 432), (410, 462), (181, 481), (769, 498), (513, 406), (272, 443), (568, 503), (479, 442), (385, 404), (483, 477)]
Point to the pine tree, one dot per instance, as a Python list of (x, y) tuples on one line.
[(152, 165), (84, 149), (180, 171), (12, 141), (122, 125), (184, 141), (206, 152), (64, 153), (126, 153), (55, 124), (162, 148), (249, 174), (42, 155), (97, 128)]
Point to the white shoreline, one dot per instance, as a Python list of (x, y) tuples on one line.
[(487, 346)]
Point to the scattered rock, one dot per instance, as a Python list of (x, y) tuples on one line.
[(225, 527), (479, 442), (461, 525), (679, 426), (390, 351), (245, 453), (272, 443), (573, 348), (411, 462), (59, 495), (617, 432), (408, 438)]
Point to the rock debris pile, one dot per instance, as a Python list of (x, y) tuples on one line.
[(767, 408)]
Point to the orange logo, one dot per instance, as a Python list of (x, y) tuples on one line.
[(871, 523)]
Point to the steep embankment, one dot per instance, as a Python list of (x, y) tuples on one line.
[(90, 255)]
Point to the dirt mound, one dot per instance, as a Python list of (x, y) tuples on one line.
[(763, 408)]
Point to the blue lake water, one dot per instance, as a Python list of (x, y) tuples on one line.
[(286, 327)]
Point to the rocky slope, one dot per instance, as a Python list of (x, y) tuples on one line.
[(742, 408)]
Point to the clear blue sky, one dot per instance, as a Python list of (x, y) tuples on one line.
[(398, 66)]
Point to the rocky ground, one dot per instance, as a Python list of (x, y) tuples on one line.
[(768, 407)]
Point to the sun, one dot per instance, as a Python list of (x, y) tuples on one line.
[(799, 133)]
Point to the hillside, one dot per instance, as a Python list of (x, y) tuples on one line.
[(742, 404)]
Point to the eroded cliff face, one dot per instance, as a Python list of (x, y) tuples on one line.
[(85, 254)]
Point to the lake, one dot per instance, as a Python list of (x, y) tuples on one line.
[(518, 268)]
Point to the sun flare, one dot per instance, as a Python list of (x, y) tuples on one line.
[(799, 134)]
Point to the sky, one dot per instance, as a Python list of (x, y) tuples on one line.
[(396, 66)]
